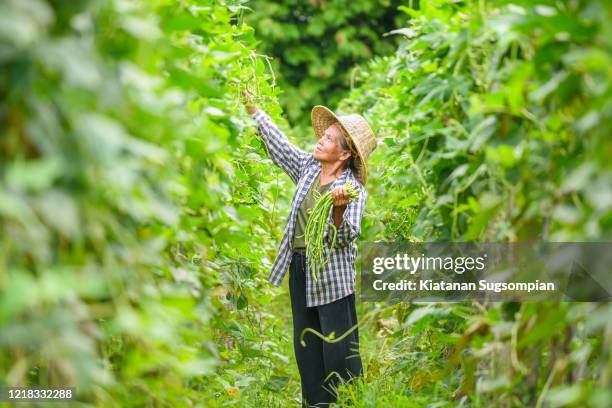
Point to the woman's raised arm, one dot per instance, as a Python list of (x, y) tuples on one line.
[(283, 153)]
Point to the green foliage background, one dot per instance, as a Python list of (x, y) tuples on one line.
[(317, 46), (127, 197), (139, 213), (494, 119)]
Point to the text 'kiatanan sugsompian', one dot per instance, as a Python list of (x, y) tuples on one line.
[(429, 285)]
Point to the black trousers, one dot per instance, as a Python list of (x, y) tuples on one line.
[(319, 358)]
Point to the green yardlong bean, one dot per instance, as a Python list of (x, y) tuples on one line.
[(315, 229)]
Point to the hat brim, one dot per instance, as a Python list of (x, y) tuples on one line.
[(322, 118)]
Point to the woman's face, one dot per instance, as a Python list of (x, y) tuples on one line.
[(328, 148)]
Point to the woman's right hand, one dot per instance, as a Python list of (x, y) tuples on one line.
[(248, 102)]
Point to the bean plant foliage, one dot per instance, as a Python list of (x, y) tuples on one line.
[(140, 213), (133, 201), (494, 119)]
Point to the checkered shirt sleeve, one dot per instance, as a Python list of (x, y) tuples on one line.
[(285, 155)]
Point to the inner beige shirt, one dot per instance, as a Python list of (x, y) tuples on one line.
[(302, 215)]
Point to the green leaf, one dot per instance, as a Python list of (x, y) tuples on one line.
[(34, 175)]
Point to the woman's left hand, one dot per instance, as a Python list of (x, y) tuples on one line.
[(340, 197), (248, 102)]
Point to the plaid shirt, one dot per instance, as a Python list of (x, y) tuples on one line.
[(337, 278)]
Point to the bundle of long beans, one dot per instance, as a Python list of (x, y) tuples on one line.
[(315, 229)]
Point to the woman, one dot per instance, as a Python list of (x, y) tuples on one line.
[(328, 304)]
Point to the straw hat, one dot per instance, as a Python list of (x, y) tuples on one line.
[(359, 134)]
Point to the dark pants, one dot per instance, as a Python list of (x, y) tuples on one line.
[(319, 358)]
